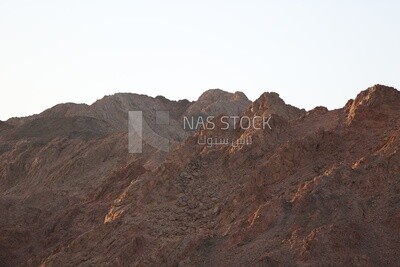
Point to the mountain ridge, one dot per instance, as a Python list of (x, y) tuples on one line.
[(318, 188)]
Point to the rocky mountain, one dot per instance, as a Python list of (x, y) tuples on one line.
[(317, 188), (60, 169), (218, 102)]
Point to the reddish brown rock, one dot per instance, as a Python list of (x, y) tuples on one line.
[(321, 188)]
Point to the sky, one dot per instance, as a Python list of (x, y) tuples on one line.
[(310, 52)]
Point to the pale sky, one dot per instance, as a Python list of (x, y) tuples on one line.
[(310, 52)]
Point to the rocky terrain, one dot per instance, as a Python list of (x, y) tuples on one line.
[(320, 188)]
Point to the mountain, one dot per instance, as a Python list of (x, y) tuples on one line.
[(72, 156), (217, 101), (318, 187)]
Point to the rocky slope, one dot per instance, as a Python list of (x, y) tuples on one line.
[(61, 169), (318, 188)]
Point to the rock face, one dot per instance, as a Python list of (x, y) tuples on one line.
[(271, 103), (320, 188), (374, 105), (215, 102)]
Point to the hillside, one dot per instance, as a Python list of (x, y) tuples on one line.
[(320, 188)]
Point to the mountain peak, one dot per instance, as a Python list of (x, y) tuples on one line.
[(375, 100), (269, 99), (218, 94), (213, 95), (240, 96), (216, 102), (376, 95), (271, 103)]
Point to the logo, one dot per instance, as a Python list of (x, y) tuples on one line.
[(140, 132)]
